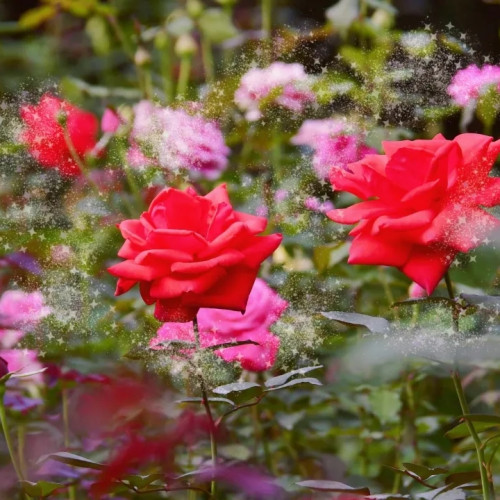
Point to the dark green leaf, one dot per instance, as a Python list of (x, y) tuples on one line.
[(40, 489), (210, 400), (296, 381), (74, 460), (424, 472), (373, 323), (282, 379), (334, 486), (461, 478)]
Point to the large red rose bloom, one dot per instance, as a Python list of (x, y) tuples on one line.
[(189, 251), (422, 203), (44, 134)]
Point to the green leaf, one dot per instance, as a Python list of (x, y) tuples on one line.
[(141, 482), (461, 478), (74, 460), (488, 302), (239, 391), (216, 25), (296, 381), (35, 17), (385, 405), (282, 379), (424, 472), (40, 489), (210, 400), (334, 486), (488, 106), (477, 417), (373, 323), (460, 429)]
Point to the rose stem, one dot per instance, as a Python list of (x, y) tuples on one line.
[(486, 484), (206, 404)]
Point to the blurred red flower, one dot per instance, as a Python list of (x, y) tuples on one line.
[(421, 203), (189, 251), (44, 133)]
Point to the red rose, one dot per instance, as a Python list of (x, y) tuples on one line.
[(421, 203), (45, 137), (189, 251)]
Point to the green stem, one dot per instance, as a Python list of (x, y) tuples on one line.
[(8, 441), (267, 16), (183, 80), (486, 482), (21, 435), (451, 294), (208, 59), (65, 412), (206, 404)]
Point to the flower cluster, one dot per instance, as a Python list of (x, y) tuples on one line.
[(175, 140), (220, 326), (333, 145), (286, 85), (470, 83), (421, 203)]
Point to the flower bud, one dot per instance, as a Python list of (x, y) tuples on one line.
[(194, 8), (185, 46), (4, 367), (142, 57), (416, 291), (62, 118), (226, 3)]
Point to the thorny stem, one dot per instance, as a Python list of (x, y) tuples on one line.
[(206, 404), (486, 483)]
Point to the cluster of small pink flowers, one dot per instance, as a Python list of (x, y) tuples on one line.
[(316, 205), (220, 326), (19, 313), (290, 82), (333, 145), (470, 83), (174, 139)]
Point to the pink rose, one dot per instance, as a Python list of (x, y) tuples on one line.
[(219, 326)]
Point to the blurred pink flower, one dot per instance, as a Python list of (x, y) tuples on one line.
[(289, 81), (315, 204), (281, 195), (470, 83), (110, 121), (218, 326), (23, 361), (312, 132), (175, 140), (333, 143), (19, 312)]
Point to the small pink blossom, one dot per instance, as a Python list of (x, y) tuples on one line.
[(315, 204), (470, 83), (219, 326), (23, 361), (175, 140), (290, 81), (110, 121), (280, 195)]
